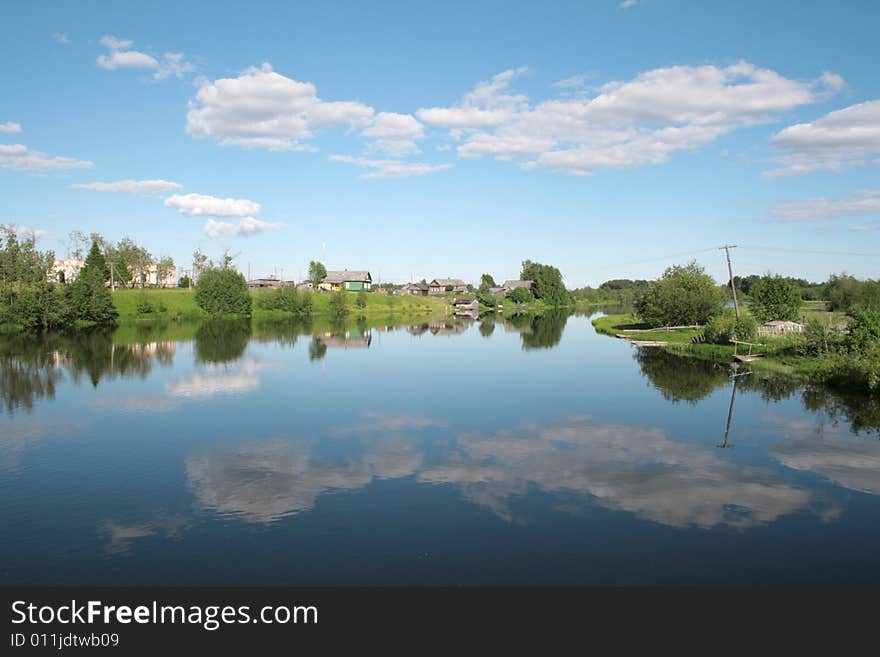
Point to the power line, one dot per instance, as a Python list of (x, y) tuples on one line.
[(811, 251)]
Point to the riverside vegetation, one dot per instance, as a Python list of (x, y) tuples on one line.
[(840, 344)]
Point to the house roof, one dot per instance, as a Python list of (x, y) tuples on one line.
[(510, 285), (419, 286), (347, 275), (448, 281), (780, 322)]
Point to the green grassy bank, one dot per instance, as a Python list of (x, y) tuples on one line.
[(180, 304)]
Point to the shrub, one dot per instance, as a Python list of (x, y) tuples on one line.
[(361, 299), (286, 299), (338, 304), (725, 327), (520, 295), (684, 295), (776, 298), (223, 292)]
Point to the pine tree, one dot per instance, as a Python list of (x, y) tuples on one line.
[(96, 260)]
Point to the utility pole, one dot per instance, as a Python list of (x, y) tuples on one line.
[(112, 281), (727, 248)]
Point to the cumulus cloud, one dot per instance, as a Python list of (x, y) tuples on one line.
[(10, 127), (264, 109), (202, 205), (143, 187), (823, 209), (20, 157), (634, 469), (389, 168), (625, 123), (847, 460), (121, 55), (395, 134), (839, 140), (246, 227)]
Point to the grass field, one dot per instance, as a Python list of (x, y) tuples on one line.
[(180, 304)]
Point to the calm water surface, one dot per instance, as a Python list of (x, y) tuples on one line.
[(532, 452)]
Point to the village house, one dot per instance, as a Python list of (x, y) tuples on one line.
[(152, 279), (66, 271), (268, 283), (415, 289), (512, 285), (442, 285), (351, 281), (466, 308)]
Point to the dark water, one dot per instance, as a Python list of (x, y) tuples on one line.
[(528, 452)]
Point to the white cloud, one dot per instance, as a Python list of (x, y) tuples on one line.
[(61, 37), (487, 106), (20, 157), (173, 65), (632, 123), (200, 205), (389, 168), (264, 109), (626, 4), (121, 55), (246, 227), (10, 127), (144, 187), (25, 232), (395, 134), (862, 229), (839, 140), (823, 209)]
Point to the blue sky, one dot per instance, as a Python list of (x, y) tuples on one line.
[(450, 139)]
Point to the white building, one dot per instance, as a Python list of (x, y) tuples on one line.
[(66, 271)]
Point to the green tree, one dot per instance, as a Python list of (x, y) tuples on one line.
[(223, 292), (684, 295), (775, 297), (361, 299), (90, 296), (317, 272), (486, 282), (549, 287), (183, 281), (95, 259)]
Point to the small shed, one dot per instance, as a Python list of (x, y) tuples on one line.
[(780, 327)]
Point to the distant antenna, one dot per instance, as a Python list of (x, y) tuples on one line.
[(324, 251)]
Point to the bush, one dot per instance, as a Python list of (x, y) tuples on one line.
[(819, 338), (286, 299), (338, 304), (684, 295), (776, 298), (223, 292), (725, 327), (362, 299), (520, 295)]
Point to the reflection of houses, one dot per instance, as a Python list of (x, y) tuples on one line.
[(779, 327), (448, 328), (348, 339), (352, 281), (415, 289), (268, 283), (441, 285), (66, 271), (509, 286)]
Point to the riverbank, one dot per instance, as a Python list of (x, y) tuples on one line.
[(778, 354)]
